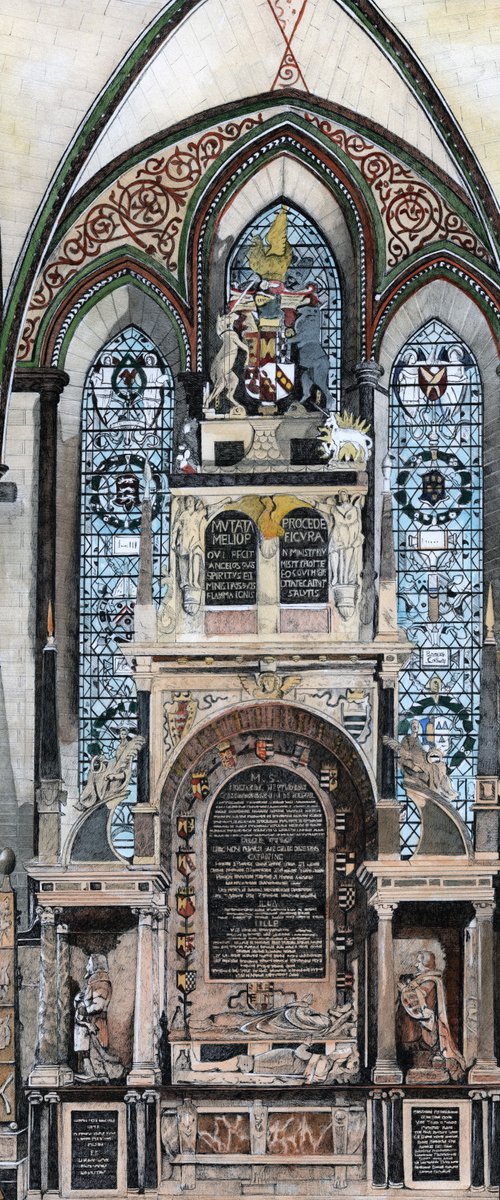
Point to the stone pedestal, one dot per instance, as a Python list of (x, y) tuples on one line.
[(386, 1067)]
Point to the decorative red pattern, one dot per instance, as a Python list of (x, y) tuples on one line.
[(414, 214), (145, 208), (288, 15)]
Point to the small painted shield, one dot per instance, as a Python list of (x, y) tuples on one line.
[(186, 827), (181, 714), (264, 748), (186, 862), (185, 944), (185, 899), (186, 982), (227, 755), (199, 785)]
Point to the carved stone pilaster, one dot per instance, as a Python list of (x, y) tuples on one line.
[(368, 375), (485, 1069), (63, 995), (48, 1071), (145, 1070), (386, 1067)]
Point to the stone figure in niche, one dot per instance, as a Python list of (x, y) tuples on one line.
[(5, 1032), (188, 541), (423, 1022), (4, 983), (346, 551), (224, 377), (313, 359), (187, 1121), (293, 1015), (91, 1042), (109, 779)]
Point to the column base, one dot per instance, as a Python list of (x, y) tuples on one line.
[(485, 1072), (387, 1072), (47, 1075), (143, 1076)]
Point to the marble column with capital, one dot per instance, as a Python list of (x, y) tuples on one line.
[(485, 1070), (49, 382), (145, 1069), (48, 1070), (386, 1068), (368, 375)]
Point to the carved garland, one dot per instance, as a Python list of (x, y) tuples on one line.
[(413, 213)]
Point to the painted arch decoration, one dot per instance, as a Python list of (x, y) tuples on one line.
[(149, 208)]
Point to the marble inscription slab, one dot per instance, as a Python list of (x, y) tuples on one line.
[(94, 1150), (266, 853)]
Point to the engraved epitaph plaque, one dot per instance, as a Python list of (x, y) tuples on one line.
[(266, 871), (304, 558), (437, 1144), (94, 1150), (230, 561)]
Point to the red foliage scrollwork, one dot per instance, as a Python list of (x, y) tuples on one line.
[(413, 212), (144, 208)]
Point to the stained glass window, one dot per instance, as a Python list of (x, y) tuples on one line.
[(435, 439), (126, 423), (284, 287)]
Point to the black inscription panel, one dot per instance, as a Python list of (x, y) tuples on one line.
[(266, 851), (94, 1151), (435, 1144), (304, 558), (230, 561)]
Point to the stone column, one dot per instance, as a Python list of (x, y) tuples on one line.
[(151, 1141), (145, 1071), (63, 1000), (46, 1046), (477, 1140), (368, 375), (131, 1100), (379, 1158), (486, 809), (494, 1140), (48, 1071), (388, 809), (35, 1142), (395, 1123), (485, 1069), (52, 1101), (49, 382), (386, 1066)]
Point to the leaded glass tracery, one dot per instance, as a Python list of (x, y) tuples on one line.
[(126, 423), (284, 285), (435, 438)]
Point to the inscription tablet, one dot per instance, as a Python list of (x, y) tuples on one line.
[(266, 864)]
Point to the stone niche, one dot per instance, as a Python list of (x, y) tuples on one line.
[(265, 963)]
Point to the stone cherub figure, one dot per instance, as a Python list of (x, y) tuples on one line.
[(91, 1042)]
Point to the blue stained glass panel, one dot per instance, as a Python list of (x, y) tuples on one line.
[(126, 423), (435, 439)]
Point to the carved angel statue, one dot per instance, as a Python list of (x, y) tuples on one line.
[(224, 376), (188, 542), (108, 779)]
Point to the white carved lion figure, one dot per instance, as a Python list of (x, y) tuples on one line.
[(345, 438)]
